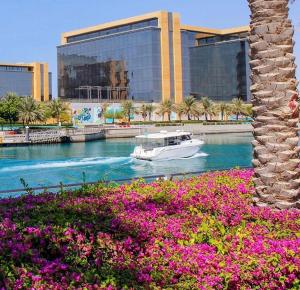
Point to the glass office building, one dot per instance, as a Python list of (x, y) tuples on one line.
[(220, 70), (149, 58), (123, 65), (26, 80)]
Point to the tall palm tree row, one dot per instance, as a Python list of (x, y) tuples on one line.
[(191, 108), (275, 105)]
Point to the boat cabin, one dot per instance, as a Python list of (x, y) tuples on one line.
[(162, 139)]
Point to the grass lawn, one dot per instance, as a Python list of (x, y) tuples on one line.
[(198, 233)]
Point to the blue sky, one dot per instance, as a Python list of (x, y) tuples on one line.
[(30, 29)]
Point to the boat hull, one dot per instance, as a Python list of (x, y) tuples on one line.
[(169, 152)]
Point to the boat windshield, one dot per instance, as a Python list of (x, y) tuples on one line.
[(149, 144), (176, 140)]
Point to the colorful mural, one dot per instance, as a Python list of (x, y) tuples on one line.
[(87, 114)]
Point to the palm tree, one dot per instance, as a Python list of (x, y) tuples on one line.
[(213, 111), (237, 107), (166, 107), (197, 111), (128, 109), (248, 110), (143, 111), (224, 109), (276, 110), (30, 111), (206, 105), (114, 115), (150, 110), (189, 103), (179, 110), (57, 108)]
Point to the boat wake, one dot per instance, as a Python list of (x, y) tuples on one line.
[(197, 155), (76, 162)]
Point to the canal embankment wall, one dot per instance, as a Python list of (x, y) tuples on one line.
[(109, 132)]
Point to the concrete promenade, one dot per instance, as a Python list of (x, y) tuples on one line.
[(197, 129), (109, 132)]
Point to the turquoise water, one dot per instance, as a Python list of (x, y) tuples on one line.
[(45, 165)]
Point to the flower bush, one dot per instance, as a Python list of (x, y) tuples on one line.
[(197, 233)]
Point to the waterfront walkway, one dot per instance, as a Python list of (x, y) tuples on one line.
[(108, 132)]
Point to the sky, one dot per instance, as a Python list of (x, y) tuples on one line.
[(30, 29)]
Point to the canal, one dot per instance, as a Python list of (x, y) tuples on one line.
[(44, 165)]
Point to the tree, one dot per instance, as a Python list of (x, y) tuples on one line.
[(128, 109), (30, 111), (197, 111), (57, 108), (248, 110), (143, 111), (224, 109), (189, 103), (237, 107), (179, 110), (150, 110), (207, 106), (213, 111), (166, 107), (115, 115), (275, 105), (9, 108), (2, 122)]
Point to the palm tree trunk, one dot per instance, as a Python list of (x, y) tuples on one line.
[(276, 152)]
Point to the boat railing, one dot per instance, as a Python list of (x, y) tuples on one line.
[(148, 178)]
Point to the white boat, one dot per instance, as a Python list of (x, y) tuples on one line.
[(166, 145)]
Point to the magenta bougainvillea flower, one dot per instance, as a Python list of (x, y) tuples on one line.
[(197, 233)]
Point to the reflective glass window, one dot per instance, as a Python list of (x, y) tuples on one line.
[(220, 70), (115, 67)]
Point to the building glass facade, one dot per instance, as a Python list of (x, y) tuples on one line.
[(17, 80), (219, 70), (187, 41), (50, 85), (153, 57), (109, 31), (26, 80), (122, 66)]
